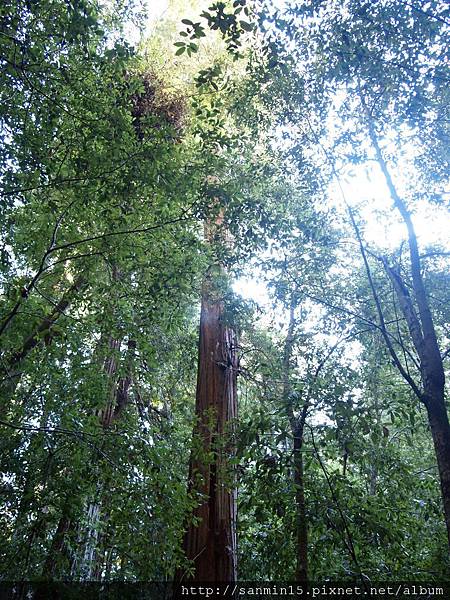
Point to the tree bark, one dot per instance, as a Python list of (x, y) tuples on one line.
[(211, 543), (440, 431)]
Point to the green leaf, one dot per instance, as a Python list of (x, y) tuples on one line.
[(246, 26)]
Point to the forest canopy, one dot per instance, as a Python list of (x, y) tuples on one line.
[(224, 291)]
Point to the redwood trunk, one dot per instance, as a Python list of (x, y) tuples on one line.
[(210, 542)]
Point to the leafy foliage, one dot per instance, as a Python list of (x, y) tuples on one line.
[(112, 160)]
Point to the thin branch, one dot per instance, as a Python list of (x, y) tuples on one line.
[(404, 212), (73, 432), (384, 333), (430, 359), (52, 249), (407, 308), (435, 253), (424, 12), (109, 234), (400, 337)]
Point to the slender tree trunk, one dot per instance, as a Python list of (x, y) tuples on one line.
[(301, 573), (440, 430), (211, 543), (297, 428), (419, 319)]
